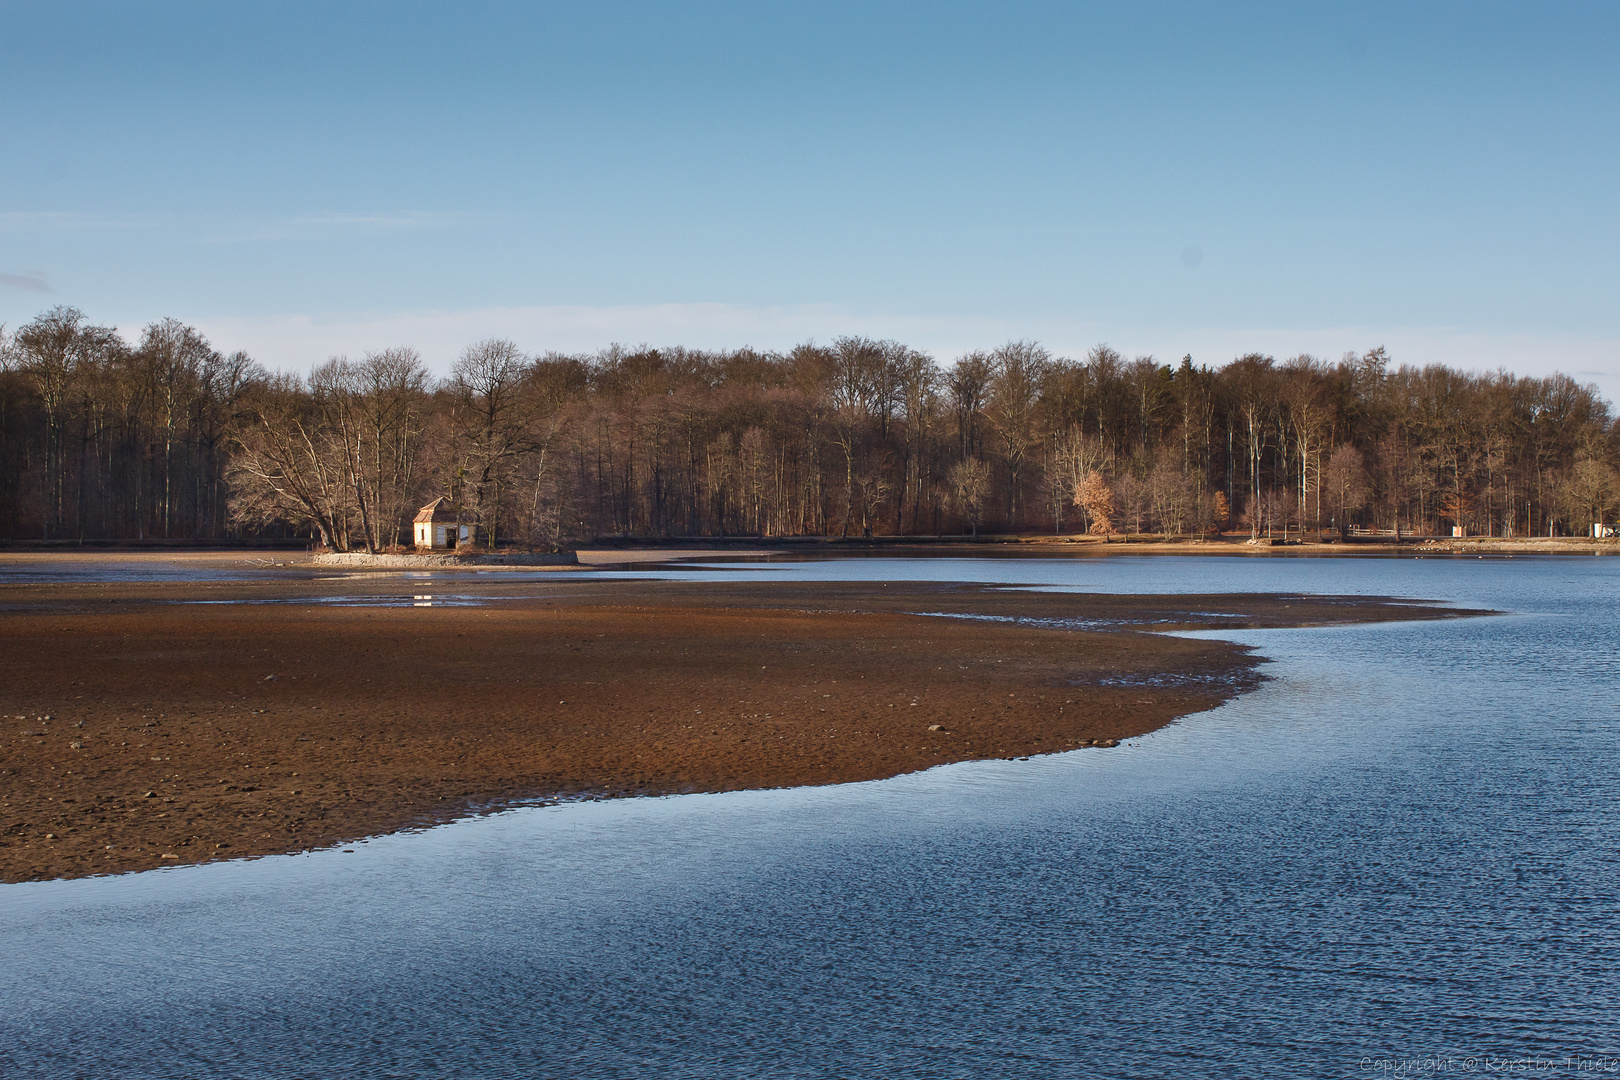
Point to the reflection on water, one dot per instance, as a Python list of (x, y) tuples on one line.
[(364, 600), (1406, 844)]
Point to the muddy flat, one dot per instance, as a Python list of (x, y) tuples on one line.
[(160, 722)]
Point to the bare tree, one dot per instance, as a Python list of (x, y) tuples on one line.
[(1132, 498), (1075, 457), (919, 384), (173, 357), (53, 350), (287, 468), (1172, 492), (1017, 371), (970, 485), (861, 391), (1105, 372), (1303, 401), (1149, 385), (491, 419), (223, 386), (552, 383), (111, 441), (1593, 491), (1345, 480), (392, 398), (719, 474), (969, 383), (1254, 390)]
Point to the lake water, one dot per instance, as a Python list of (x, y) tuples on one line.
[(1402, 853)]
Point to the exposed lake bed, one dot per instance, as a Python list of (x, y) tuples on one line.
[(1402, 845), (198, 721)]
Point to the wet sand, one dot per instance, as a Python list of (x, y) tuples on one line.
[(193, 721)]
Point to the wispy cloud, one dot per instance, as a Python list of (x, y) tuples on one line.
[(70, 221), (411, 219), (224, 228), (299, 226), (26, 282)]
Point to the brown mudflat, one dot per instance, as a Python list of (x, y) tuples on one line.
[(181, 731)]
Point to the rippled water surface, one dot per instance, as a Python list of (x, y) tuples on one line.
[(1406, 845)]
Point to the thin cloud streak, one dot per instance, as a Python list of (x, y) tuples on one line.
[(305, 225), (407, 220), (215, 228), (26, 282), (71, 221)]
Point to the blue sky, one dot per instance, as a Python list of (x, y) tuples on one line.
[(302, 180)]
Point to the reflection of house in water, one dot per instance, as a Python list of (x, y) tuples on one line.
[(437, 525)]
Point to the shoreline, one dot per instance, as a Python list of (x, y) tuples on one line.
[(605, 550), (360, 560), (194, 721), (1229, 544)]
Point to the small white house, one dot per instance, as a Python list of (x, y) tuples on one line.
[(1601, 531), (437, 525)]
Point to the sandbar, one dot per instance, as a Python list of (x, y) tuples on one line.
[(196, 721)]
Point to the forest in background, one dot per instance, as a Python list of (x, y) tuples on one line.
[(167, 437)]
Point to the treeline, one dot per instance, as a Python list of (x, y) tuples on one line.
[(168, 437)]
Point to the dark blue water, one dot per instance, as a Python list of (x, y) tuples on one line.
[(1404, 848)]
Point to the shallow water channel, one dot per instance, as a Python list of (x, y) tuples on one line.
[(1404, 847)]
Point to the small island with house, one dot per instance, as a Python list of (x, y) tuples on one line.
[(443, 536)]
